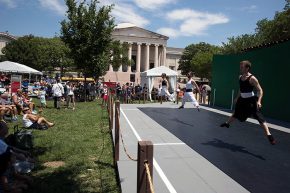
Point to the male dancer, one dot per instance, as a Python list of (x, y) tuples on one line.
[(188, 95), (247, 104)]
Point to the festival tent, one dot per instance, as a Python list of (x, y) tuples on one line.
[(13, 67), (151, 75)]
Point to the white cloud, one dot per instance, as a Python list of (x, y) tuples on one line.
[(152, 4), (126, 13), (123, 12), (193, 22), (170, 32), (252, 8), (54, 5), (8, 3)]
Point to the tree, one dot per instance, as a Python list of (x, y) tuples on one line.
[(119, 54), (87, 32), (267, 31), (237, 44), (44, 54), (23, 50), (197, 58), (55, 55)]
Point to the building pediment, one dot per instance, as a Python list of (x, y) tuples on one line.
[(6, 37), (138, 32)]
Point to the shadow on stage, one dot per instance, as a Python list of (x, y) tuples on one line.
[(232, 147)]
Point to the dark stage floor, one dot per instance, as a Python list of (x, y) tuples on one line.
[(241, 151)]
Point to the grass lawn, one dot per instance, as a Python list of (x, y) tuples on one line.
[(76, 154)]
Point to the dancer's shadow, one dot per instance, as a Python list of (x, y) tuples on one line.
[(181, 122), (234, 148)]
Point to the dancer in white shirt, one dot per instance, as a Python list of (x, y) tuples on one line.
[(188, 95)]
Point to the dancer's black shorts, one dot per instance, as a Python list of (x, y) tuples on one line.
[(247, 107)]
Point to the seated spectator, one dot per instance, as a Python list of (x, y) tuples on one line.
[(28, 103), (34, 121), (6, 108), (10, 181), (21, 101), (17, 100)]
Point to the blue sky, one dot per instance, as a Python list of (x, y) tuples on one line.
[(184, 21)]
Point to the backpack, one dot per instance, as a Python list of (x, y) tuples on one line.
[(22, 139)]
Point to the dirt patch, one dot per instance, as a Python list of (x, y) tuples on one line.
[(54, 164)]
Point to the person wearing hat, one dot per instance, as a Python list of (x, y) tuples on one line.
[(34, 121)]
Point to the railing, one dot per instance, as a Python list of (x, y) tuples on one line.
[(145, 149)]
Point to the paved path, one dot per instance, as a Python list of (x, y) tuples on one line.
[(193, 154)]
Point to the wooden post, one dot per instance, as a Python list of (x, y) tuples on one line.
[(117, 130), (112, 112), (145, 154), (109, 109), (108, 101)]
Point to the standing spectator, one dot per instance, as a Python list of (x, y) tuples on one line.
[(41, 95), (145, 91), (57, 91), (118, 90), (65, 90), (203, 95), (105, 94), (93, 92), (71, 95)]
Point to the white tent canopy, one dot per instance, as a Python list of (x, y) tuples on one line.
[(150, 76), (14, 67)]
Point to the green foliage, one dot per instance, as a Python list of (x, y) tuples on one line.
[(198, 58), (119, 54), (267, 31), (44, 54), (24, 51), (87, 32), (236, 44)]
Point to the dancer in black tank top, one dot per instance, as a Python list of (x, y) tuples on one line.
[(247, 104)]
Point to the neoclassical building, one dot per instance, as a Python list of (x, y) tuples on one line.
[(148, 50), (5, 38)]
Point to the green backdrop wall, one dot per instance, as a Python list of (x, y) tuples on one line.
[(272, 68)]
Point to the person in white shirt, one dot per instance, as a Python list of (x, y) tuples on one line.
[(34, 121), (57, 91), (71, 95), (188, 95)]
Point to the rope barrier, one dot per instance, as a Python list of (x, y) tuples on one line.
[(123, 143), (149, 177)]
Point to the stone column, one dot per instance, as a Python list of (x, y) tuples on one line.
[(147, 57), (156, 56), (138, 57), (111, 68), (129, 55), (164, 55), (120, 69)]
